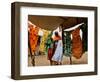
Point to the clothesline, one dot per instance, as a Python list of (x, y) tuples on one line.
[(41, 31), (72, 42), (74, 27), (68, 29)]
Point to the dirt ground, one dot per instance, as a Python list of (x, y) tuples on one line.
[(41, 60)]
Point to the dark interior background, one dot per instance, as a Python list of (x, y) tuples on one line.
[(52, 22)]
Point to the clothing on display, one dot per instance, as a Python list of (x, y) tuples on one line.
[(43, 40), (76, 43), (67, 43), (72, 41), (33, 37), (58, 54), (49, 46)]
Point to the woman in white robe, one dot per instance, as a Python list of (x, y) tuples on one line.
[(58, 54)]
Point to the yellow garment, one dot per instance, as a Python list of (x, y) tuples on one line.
[(43, 40)]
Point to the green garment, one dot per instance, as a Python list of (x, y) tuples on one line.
[(49, 42), (67, 45)]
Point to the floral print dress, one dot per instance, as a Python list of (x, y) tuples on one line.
[(67, 43)]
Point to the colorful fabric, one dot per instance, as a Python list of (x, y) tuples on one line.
[(58, 54), (67, 44), (33, 38), (76, 43), (43, 40), (49, 42)]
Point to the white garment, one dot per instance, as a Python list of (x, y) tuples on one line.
[(58, 52), (30, 23), (40, 33), (74, 27), (57, 30)]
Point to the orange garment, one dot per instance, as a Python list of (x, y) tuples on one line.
[(57, 38), (76, 43), (33, 37)]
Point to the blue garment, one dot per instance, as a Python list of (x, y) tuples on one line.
[(58, 54)]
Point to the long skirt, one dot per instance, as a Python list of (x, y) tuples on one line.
[(50, 53)]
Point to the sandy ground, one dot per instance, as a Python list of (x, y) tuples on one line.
[(41, 60)]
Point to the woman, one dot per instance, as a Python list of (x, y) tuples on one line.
[(49, 48), (57, 56)]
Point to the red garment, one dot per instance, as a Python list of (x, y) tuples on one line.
[(76, 43), (50, 53)]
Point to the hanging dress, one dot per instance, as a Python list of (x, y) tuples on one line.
[(58, 54), (67, 44), (76, 43), (43, 40), (33, 37)]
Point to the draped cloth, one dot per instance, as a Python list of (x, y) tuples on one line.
[(49, 46), (67, 43), (76, 43), (58, 54), (42, 47), (33, 37)]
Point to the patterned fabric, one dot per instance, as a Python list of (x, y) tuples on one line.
[(67, 45), (49, 42), (76, 43), (33, 37), (43, 40)]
